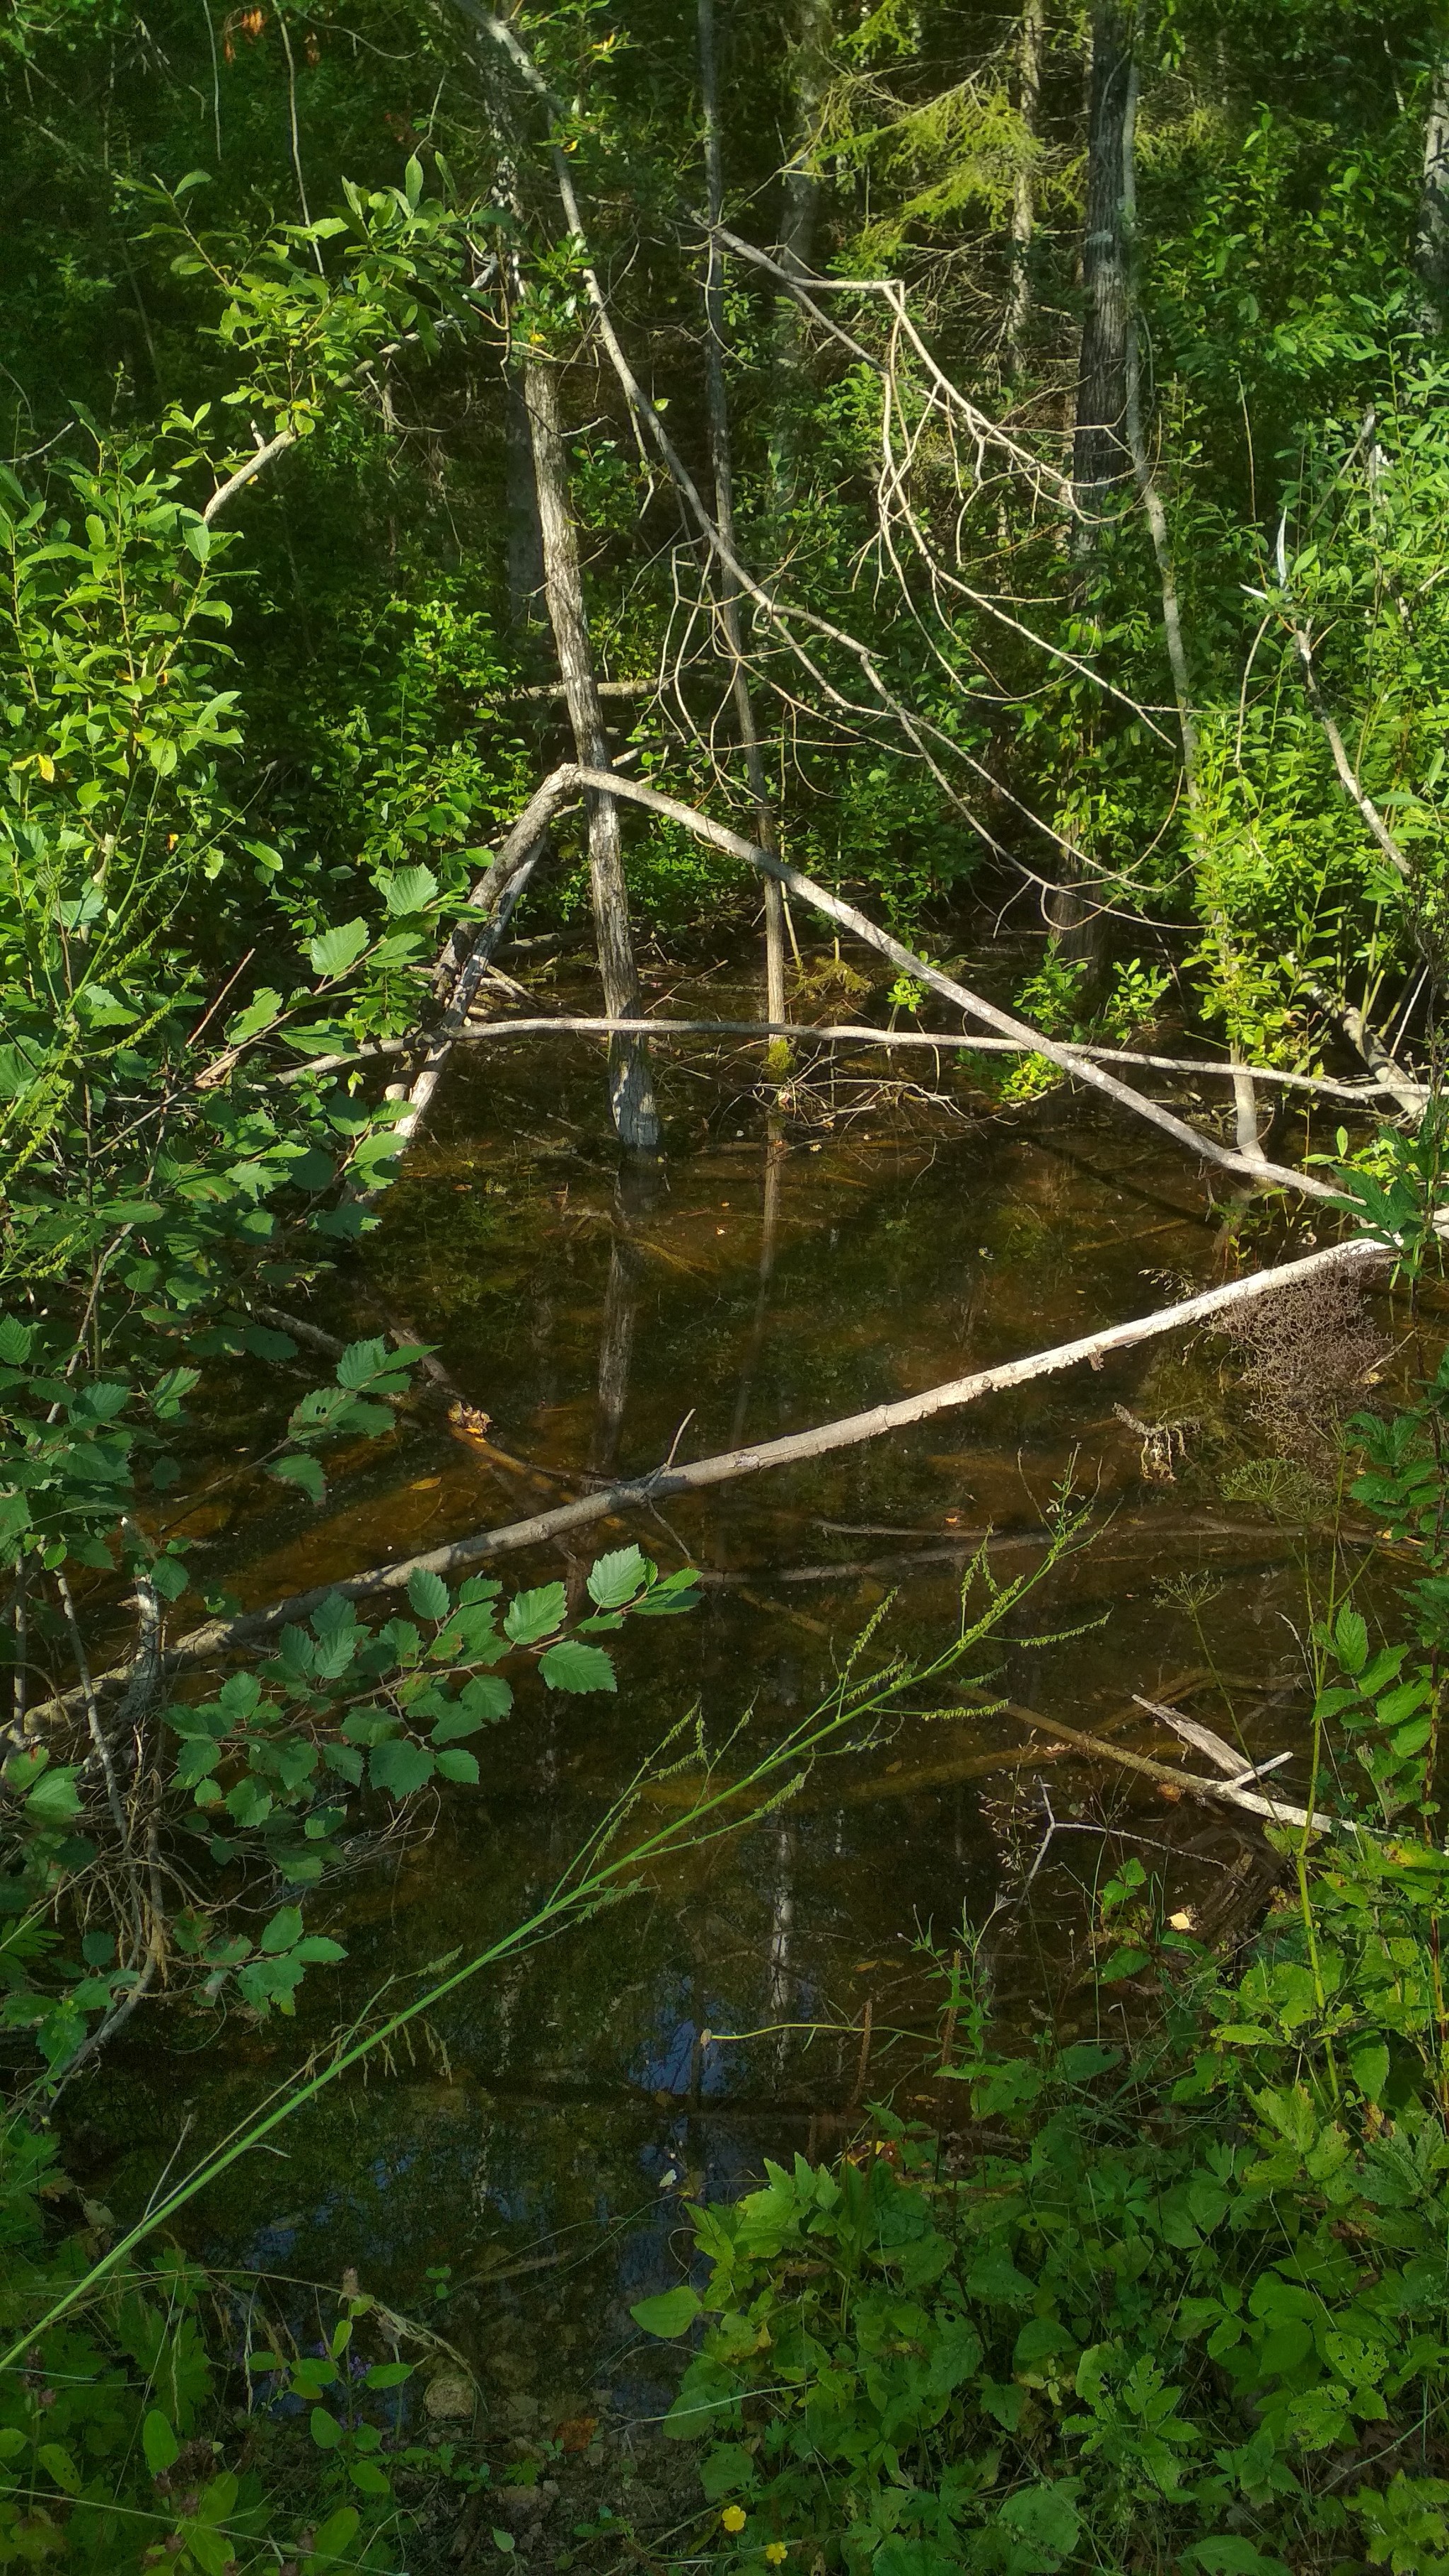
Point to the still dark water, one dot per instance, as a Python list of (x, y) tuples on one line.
[(532, 2143)]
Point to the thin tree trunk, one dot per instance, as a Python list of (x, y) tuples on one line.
[(810, 68), (1431, 246), (1099, 453), (1099, 448), (1245, 1098), (777, 1054), (631, 1095), (1023, 199), (809, 73)]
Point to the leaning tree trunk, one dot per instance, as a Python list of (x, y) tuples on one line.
[(777, 1052), (1023, 197), (631, 1095), (1431, 246)]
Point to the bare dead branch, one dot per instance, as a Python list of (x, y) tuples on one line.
[(219, 1636), (1004, 1023)]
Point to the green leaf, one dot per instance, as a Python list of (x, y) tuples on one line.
[(1350, 1640), (486, 1698), (428, 1594), (614, 1579), (338, 949), (407, 890), (459, 1766), (333, 2539), (298, 1469), (1369, 2063), (672, 2313), (58, 2464), (571, 1666), (1230, 2555), (531, 1615), (284, 1930), (159, 2443), (400, 1766), (55, 1799), (326, 2431)]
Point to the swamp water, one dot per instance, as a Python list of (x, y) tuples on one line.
[(527, 2152)]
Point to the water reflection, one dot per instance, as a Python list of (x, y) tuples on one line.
[(761, 1280)]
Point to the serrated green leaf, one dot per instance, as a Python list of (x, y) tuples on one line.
[(573, 1666), (428, 1594), (336, 950), (298, 1469), (614, 1579), (531, 1615), (400, 1766)]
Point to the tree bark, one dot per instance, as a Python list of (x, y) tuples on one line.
[(1023, 198), (1099, 452), (631, 1094), (728, 588), (1431, 246), (1099, 448)]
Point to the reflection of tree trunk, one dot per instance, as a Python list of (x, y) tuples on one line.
[(1431, 247), (616, 1352), (774, 1159), (1099, 455), (729, 599), (782, 1934), (631, 1094), (1023, 199)]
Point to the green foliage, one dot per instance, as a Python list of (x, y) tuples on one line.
[(1158, 2316), (109, 2450)]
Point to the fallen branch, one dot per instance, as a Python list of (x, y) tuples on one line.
[(217, 1636), (1277, 1811), (944, 1042), (1071, 1060), (1186, 1783)]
